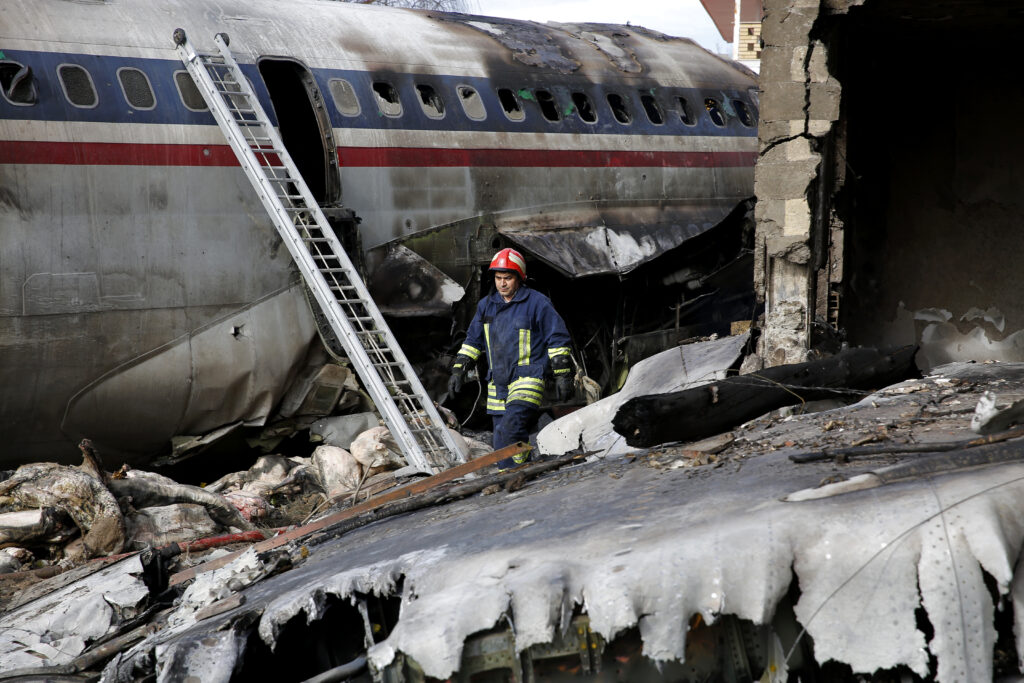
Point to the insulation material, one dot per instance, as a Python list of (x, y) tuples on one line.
[(157, 526), (376, 448), (68, 489), (250, 505), (56, 628), (590, 428), (337, 471)]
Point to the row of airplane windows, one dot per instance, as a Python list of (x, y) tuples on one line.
[(18, 88)]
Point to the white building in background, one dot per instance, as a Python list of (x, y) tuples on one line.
[(739, 22)]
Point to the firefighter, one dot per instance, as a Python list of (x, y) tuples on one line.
[(523, 336)]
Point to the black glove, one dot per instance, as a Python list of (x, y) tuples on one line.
[(563, 387), (459, 368), (561, 366)]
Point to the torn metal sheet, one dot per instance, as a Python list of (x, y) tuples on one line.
[(406, 284), (153, 527), (597, 240), (57, 627), (210, 658), (590, 428)]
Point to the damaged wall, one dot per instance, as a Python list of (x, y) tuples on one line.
[(888, 194)]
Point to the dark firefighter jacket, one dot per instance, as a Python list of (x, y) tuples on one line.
[(521, 337)]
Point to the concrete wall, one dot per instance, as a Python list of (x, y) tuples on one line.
[(890, 182)]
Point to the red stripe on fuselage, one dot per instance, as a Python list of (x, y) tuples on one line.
[(114, 154), (130, 154), (562, 158)]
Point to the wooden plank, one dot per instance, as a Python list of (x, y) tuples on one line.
[(411, 489)]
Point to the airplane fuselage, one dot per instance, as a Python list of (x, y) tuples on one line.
[(143, 292)]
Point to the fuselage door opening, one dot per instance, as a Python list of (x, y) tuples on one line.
[(304, 124)]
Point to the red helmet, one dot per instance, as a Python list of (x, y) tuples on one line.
[(509, 259)]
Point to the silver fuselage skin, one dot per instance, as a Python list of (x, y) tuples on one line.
[(144, 293)]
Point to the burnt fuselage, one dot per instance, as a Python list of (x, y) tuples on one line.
[(144, 294)]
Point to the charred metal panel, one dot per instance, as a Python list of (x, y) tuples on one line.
[(602, 240), (611, 41), (531, 44), (405, 284)]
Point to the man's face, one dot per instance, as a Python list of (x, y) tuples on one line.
[(506, 283)]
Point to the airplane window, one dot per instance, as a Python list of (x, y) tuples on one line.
[(548, 107), (510, 104), (583, 107), (471, 103), (619, 108), (685, 113), (743, 112), (77, 84), (652, 108), (714, 111), (189, 93), (387, 98), (17, 83), (136, 88), (433, 105), (344, 96)]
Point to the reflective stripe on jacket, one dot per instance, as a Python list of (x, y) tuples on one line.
[(521, 337)]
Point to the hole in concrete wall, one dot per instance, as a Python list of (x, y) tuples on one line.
[(932, 206)]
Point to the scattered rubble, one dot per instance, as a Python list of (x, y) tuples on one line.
[(689, 558)]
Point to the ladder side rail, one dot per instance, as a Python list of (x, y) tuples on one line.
[(318, 285)]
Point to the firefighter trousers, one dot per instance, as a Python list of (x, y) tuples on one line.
[(511, 426)]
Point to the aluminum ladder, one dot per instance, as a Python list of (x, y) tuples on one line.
[(386, 373)]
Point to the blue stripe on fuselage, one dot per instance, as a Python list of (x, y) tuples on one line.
[(112, 107)]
